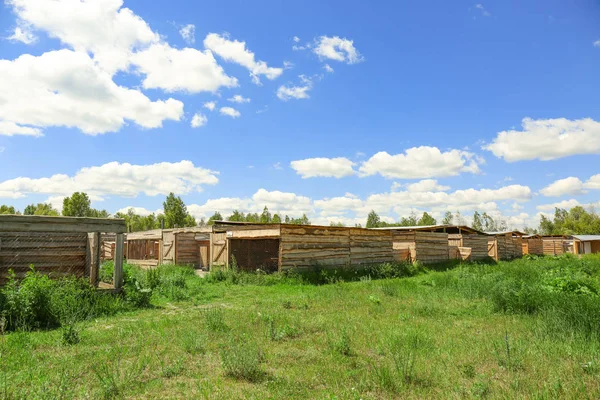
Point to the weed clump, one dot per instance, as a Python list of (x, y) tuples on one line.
[(242, 359)]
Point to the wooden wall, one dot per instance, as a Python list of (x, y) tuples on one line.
[(187, 250), (533, 246), (426, 247), (460, 243), (553, 246), (305, 247), (370, 247), (55, 253), (505, 247)]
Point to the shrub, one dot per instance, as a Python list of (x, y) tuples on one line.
[(340, 343)]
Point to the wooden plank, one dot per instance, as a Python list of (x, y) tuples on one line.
[(118, 262), (38, 223)]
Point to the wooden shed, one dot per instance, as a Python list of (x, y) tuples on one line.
[(58, 246), (586, 244), (183, 246), (280, 247), (505, 245), (555, 245), (533, 244)]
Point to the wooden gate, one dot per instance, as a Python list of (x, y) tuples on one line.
[(168, 250), (219, 254)]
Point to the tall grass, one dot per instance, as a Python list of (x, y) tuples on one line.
[(563, 291)]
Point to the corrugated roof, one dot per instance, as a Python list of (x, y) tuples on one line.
[(587, 238)]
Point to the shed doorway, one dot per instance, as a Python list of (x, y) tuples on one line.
[(253, 254)]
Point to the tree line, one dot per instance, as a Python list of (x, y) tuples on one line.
[(174, 215), (577, 220)]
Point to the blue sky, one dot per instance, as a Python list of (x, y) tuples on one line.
[(489, 106)]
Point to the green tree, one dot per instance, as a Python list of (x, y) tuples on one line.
[(189, 221), (237, 216), (426, 219), (373, 220), (78, 205), (338, 224), (265, 217), (176, 214), (448, 218), (4, 209), (215, 217), (29, 210), (489, 225), (276, 219), (477, 221)]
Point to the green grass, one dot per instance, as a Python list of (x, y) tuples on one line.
[(521, 329)]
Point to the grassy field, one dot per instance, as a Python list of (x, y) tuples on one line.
[(521, 329)]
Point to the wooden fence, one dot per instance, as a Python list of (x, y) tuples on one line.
[(57, 246)]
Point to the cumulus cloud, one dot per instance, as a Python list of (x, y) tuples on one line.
[(421, 162), (103, 27), (284, 203), (210, 105), (230, 112), (328, 68), (323, 167), (67, 88), (286, 93), (338, 49), (118, 179), (144, 212), (236, 52), (547, 140), (198, 120), (426, 185), (566, 204), (238, 98), (571, 185), (185, 69), (188, 33)]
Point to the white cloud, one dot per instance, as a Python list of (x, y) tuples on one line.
[(547, 140), (323, 167), (22, 33), (186, 69), (117, 39), (101, 27), (235, 51), (188, 33), (286, 93), (118, 179), (67, 88), (239, 99), (198, 120), (328, 68), (421, 162), (426, 185), (572, 186), (597, 43), (210, 105), (567, 204), (296, 39), (138, 211), (338, 49), (278, 166), (481, 8), (284, 203), (593, 182), (230, 112), (8, 128)]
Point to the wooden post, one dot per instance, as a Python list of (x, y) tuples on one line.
[(118, 273), (95, 272)]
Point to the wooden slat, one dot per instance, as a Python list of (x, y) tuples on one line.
[(37, 223)]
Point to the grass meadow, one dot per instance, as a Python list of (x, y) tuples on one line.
[(528, 328)]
